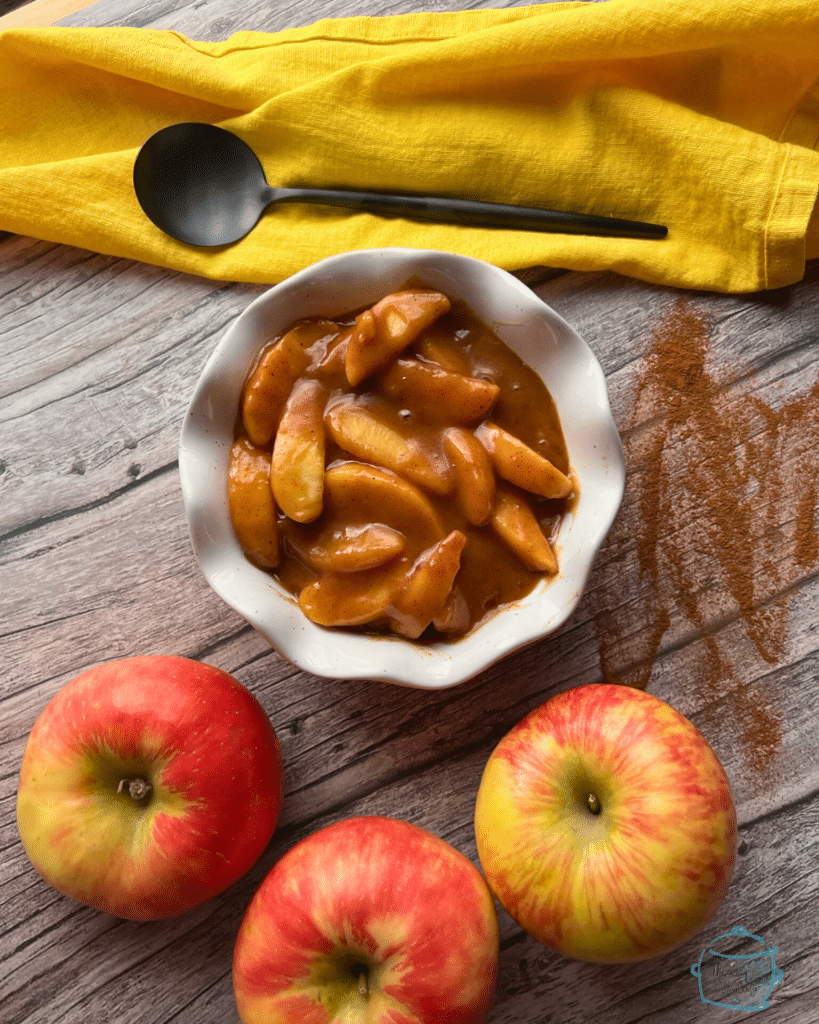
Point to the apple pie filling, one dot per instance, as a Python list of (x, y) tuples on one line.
[(401, 470)]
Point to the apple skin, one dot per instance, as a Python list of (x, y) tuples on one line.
[(643, 874), (372, 920), (212, 759)]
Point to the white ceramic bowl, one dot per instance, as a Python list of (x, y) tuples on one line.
[(543, 339)]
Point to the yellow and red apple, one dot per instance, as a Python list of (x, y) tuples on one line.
[(606, 826), (148, 785), (370, 920)]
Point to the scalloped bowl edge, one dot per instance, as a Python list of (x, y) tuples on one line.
[(528, 325)]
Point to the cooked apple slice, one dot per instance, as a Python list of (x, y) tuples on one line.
[(269, 386), (521, 465), (348, 548), (367, 432), (329, 363), (440, 347), (474, 474), (315, 333), (252, 510), (362, 348), (516, 524), (426, 586), (453, 616), (356, 493), (388, 328), (437, 393), (345, 599), (297, 472)]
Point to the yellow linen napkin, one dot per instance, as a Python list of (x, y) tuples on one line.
[(701, 116)]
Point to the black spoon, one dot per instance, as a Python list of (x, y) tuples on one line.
[(203, 185)]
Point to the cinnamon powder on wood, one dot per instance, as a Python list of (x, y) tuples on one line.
[(719, 522)]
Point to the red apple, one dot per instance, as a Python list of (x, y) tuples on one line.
[(148, 785), (605, 825), (368, 920)]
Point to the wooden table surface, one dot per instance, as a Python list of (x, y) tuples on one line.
[(706, 592)]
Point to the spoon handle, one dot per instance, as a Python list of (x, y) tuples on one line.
[(466, 211)]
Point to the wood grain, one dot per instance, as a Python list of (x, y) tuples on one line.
[(100, 357), (37, 13)]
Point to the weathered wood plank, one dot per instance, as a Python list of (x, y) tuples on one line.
[(347, 745), (212, 22)]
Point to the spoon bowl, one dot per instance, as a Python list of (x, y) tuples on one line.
[(200, 184), (203, 185)]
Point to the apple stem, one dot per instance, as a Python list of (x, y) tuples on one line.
[(137, 789), (593, 803)]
